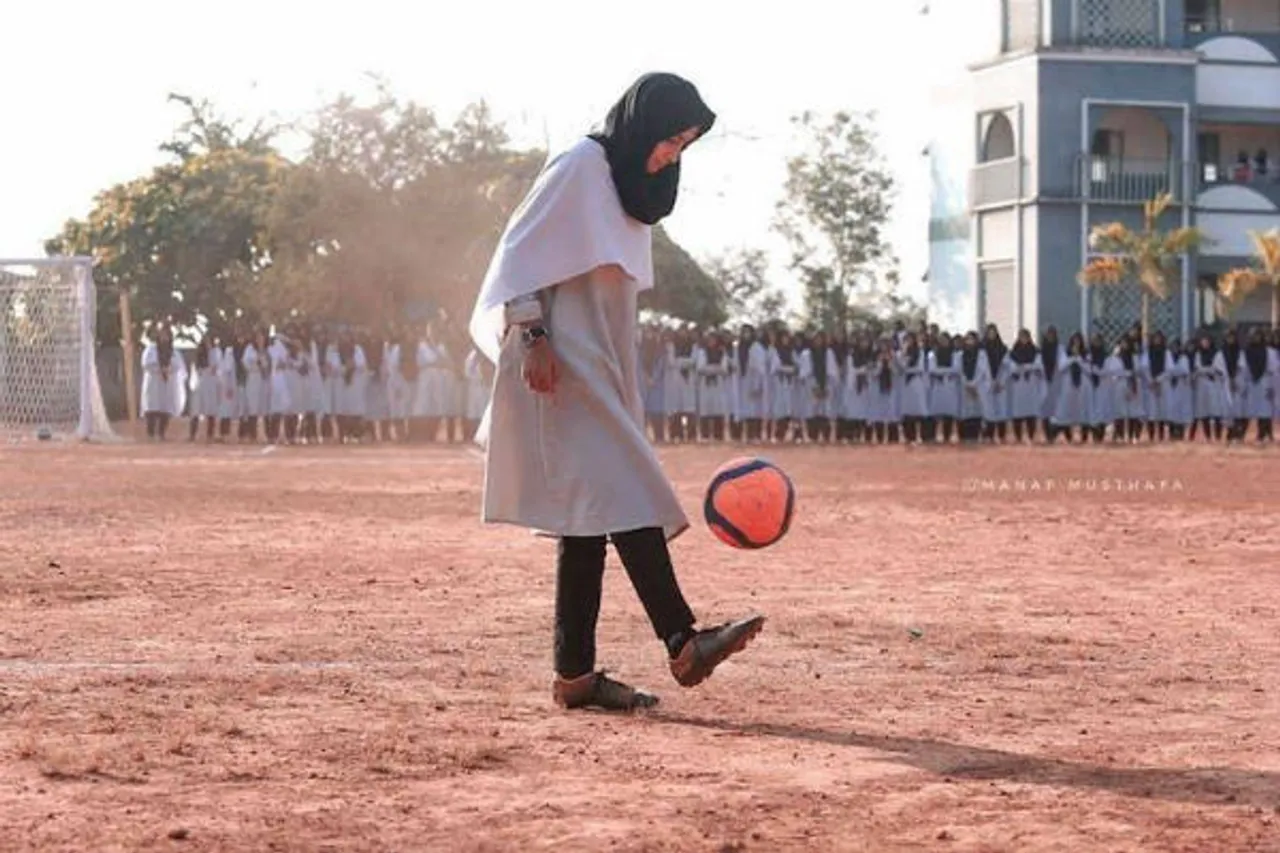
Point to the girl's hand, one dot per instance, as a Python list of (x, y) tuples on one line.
[(541, 370)]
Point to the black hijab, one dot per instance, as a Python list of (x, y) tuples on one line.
[(655, 108)]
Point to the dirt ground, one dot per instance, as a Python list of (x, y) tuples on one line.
[(1015, 649)]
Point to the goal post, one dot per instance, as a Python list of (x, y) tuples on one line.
[(48, 361)]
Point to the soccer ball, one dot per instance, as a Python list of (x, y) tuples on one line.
[(749, 503), (44, 433)]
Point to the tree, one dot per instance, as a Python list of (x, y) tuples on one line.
[(835, 208), (1150, 257), (188, 240), (742, 276), (1235, 285), (682, 288)]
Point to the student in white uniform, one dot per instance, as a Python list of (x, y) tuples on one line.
[(914, 368), (997, 398), (975, 388), (349, 391), (204, 391), (783, 378), (281, 420), (479, 373), (681, 391), (1074, 399), (1101, 408), (944, 387), (377, 409), (1052, 355), (1178, 391), (164, 383), (256, 365), (862, 358), (402, 375), (1123, 371), (1026, 386), (566, 450), (713, 366), (1257, 373), (753, 380), (820, 372), (1208, 388), (885, 404), (1155, 380), (1235, 417)]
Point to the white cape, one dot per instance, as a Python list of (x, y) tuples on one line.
[(576, 462), (570, 223)]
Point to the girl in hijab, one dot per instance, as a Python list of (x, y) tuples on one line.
[(714, 370), (653, 372), (1258, 366), (944, 386), (858, 393), (1026, 386), (840, 386), (997, 414), (1177, 391), (1102, 409), (821, 374), (565, 449), (752, 378), (915, 388), (1051, 357), (1231, 358), (975, 383), (681, 390), (164, 383), (1126, 391), (783, 370), (204, 396), (884, 412), (1208, 388), (1155, 379), (1074, 399)]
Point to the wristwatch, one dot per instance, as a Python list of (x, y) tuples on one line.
[(530, 335)]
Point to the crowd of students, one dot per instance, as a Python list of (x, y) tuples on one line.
[(766, 386)]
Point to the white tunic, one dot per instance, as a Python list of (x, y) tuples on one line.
[(1073, 405), (164, 390), (752, 379), (1026, 387), (714, 378), (944, 385), (821, 400), (577, 461), (1256, 393), (914, 396), (1208, 386)]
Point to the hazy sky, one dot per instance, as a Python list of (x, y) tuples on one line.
[(84, 89)]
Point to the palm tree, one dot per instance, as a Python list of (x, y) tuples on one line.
[(1235, 285), (1150, 256)]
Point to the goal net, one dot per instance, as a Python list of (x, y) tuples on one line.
[(48, 366)]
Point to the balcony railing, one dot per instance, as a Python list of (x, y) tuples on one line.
[(995, 182), (1265, 183), (1119, 180)]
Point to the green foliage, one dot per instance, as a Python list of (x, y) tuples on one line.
[(743, 277), (388, 214), (835, 208), (682, 289)]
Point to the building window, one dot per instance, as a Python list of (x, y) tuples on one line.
[(998, 142), (1119, 23), (1209, 153), (1106, 154), (1204, 16), (1021, 24)]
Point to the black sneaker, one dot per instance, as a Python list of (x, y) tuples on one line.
[(711, 647), (597, 690)]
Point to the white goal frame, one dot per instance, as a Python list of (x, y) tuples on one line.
[(93, 421)]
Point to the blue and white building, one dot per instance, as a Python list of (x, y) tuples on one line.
[(1064, 114)]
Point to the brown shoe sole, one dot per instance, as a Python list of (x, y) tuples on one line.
[(694, 672)]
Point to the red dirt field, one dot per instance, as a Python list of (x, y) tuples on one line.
[(1014, 649)]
